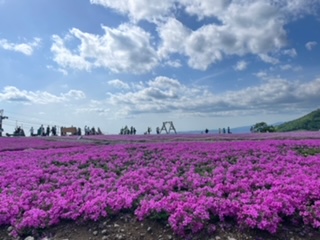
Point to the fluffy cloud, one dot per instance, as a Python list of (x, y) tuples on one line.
[(297, 8), (118, 84), (173, 34), (290, 67), (166, 95), (61, 70), (268, 59), (11, 93), (241, 65), (233, 27), (140, 9), (74, 94), (174, 63), (24, 48), (286, 67), (124, 49), (290, 52), (311, 45), (205, 8), (155, 92), (65, 58), (237, 34)]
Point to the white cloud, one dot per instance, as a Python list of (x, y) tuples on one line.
[(61, 70), (25, 48), (261, 74), (248, 28), (13, 94), (290, 67), (297, 8), (174, 63), (234, 27), (241, 65), (140, 9), (124, 49), (154, 92), (162, 82), (65, 58), (152, 11), (286, 67), (268, 59), (203, 8), (74, 94), (173, 34), (165, 95), (290, 52), (118, 84), (311, 45)]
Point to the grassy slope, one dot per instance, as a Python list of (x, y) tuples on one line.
[(309, 122)]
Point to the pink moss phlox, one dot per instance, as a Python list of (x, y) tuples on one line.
[(189, 183)]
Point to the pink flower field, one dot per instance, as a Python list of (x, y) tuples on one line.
[(193, 182)]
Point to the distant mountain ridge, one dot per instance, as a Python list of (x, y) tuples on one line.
[(242, 129), (309, 122)]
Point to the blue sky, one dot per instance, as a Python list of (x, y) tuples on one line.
[(199, 63)]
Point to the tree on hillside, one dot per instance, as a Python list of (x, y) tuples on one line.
[(262, 127)]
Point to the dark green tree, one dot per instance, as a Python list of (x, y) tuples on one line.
[(262, 127)]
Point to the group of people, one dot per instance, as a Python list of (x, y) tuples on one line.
[(223, 130), (18, 132), (53, 131), (133, 131), (91, 131), (44, 131), (158, 130), (149, 130), (128, 131)]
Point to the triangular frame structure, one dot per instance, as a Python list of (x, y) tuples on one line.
[(167, 130)]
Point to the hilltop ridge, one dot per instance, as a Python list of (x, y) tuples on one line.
[(309, 122)]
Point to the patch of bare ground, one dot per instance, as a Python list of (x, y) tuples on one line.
[(125, 226)]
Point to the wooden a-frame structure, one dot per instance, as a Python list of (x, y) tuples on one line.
[(167, 130)]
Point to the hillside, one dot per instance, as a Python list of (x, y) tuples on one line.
[(309, 122)]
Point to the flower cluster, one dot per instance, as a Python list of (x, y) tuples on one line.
[(25, 144), (189, 183)]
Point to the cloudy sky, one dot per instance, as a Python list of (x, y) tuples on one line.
[(199, 63)]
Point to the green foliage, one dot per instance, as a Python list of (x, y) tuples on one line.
[(262, 127), (309, 122), (308, 151), (84, 166), (203, 170), (59, 164), (232, 160), (160, 216)]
